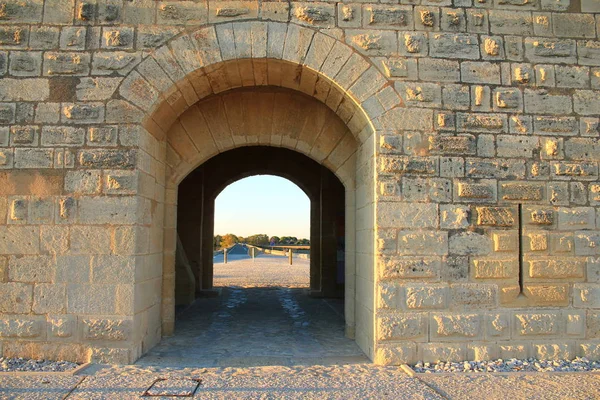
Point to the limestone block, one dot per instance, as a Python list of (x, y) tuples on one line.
[(480, 72), (101, 210), (460, 45), (21, 328), (455, 326), (542, 102), (416, 189), (474, 295), (105, 158), (120, 62), (181, 13), (452, 167), (454, 216), (536, 324), (587, 243), (426, 297), (422, 243), (112, 269), (495, 269), (106, 329), (576, 218), (564, 126), (19, 240), (49, 298), (409, 215), (387, 17), (409, 267), (469, 243), (588, 52), (567, 170), (497, 325), (497, 168), (477, 21), (453, 20), (54, 239), (104, 136), (538, 241), (16, 298), (402, 326), (43, 38), (120, 182), (373, 42), (396, 354), (62, 326), (455, 269), (482, 122), (91, 299), (456, 97), (319, 14), (510, 22), (90, 239), (541, 50), (438, 70), (546, 294), (97, 88), (436, 352), (25, 63), (67, 63), (574, 25), (586, 102), (483, 191), (105, 355), (517, 191), (82, 182), (514, 351), (389, 295), (33, 269)]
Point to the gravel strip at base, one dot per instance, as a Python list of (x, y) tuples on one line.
[(511, 365), (29, 365)]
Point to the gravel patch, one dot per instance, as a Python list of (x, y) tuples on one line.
[(512, 365), (29, 365)]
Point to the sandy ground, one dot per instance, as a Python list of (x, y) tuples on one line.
[(265, 271)]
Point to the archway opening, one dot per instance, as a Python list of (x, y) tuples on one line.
[(259, 324), (262, 234)]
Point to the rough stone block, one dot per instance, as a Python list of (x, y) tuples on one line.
[(426, 297)]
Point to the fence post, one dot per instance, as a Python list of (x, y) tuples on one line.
[(224, 256), (290, 254), (252, 249)]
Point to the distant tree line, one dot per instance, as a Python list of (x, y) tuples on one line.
[(229, 239)]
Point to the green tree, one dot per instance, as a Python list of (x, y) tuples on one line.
[(274, 240), (258, 240), (217, 242), (229, 240)]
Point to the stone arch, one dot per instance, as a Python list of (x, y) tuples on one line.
[(190, 71)]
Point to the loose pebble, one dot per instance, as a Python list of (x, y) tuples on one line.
[(510, 365), (28, 365)]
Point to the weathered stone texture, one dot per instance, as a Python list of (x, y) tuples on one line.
[(457, 126)]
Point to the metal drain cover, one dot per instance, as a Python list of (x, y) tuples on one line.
[(173, 387)]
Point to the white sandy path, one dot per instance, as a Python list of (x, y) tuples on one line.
[(264, 271)]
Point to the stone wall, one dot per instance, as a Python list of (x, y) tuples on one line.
[(473, 217)]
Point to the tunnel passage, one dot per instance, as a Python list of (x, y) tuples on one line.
[(196, 205)]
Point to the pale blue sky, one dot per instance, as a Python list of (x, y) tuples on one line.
[(263, 204)]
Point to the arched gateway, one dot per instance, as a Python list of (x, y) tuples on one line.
[(247, 84)]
